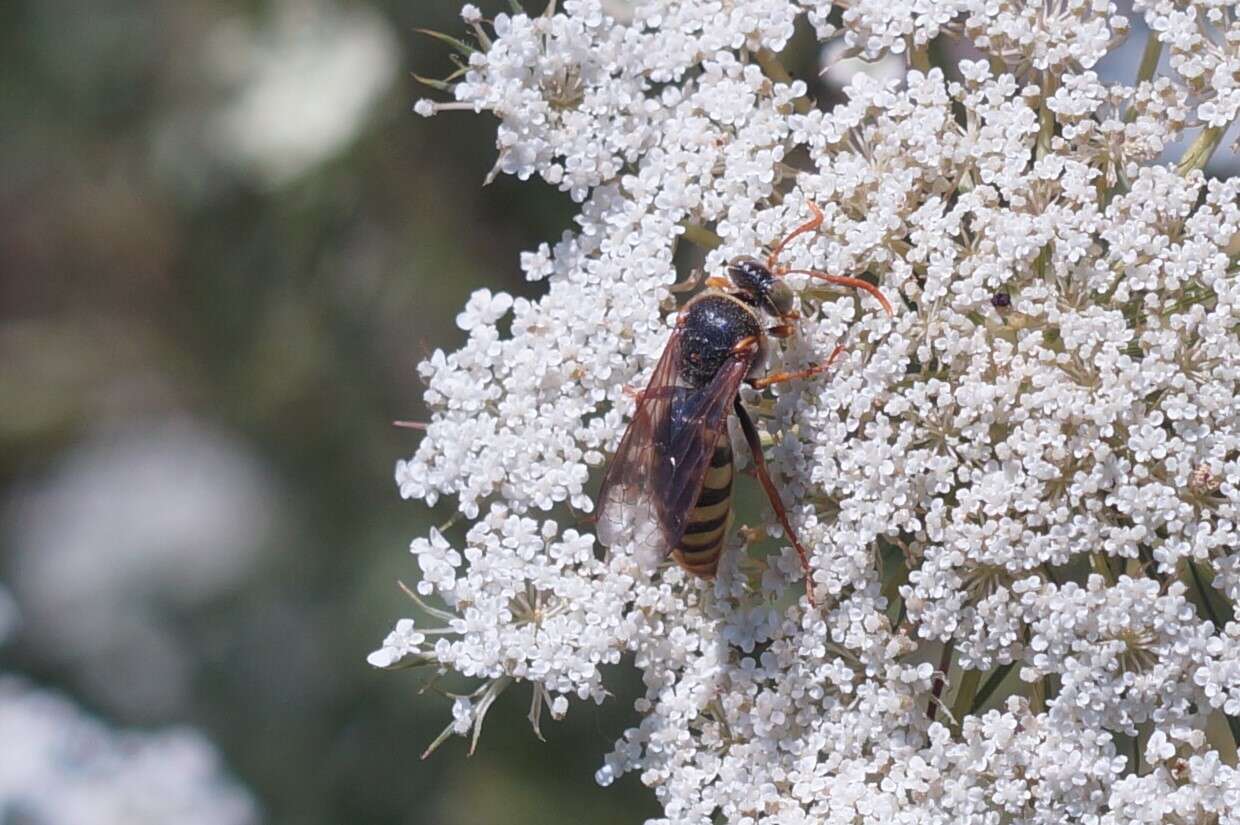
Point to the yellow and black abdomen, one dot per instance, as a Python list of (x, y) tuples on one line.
[(706, 527)]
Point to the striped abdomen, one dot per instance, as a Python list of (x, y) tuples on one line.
[(706, 526)]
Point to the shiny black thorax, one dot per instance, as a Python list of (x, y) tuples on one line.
[(713, 325)]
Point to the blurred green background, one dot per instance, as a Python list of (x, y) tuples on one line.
[(227, 241)]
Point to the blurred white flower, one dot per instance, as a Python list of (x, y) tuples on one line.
[(124, 531), (839, 69), (58, 766), (1005, 479), (302, 84), (484, 309)]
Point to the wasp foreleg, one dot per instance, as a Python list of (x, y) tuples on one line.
[(780, 377)]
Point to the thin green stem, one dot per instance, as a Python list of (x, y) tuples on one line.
[(990, 686), (1046, 119), (1149, 65), (965, 694), (460, 45), (1101, 566), (1205, 597), (1149, 58), (940, 679), (1198, 155), (701, 236)]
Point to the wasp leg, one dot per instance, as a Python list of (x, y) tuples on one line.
[(759, 463), (744, 345), (781, 331), (636, 393), (780, 377), (809, 226)]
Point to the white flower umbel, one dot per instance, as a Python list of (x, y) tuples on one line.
[(1020, 496)]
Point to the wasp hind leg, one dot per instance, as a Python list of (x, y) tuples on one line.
[(772, 494)]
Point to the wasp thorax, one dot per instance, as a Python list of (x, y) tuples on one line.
[(713, 325)]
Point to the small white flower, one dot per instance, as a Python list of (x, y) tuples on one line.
[(403, 641), (483, 309)]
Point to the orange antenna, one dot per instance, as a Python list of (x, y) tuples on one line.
[(844, 280)]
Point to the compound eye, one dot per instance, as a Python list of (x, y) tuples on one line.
[(780, 296), (749, 274)]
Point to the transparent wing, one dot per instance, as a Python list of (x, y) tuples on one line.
[(656, 475), (628, 510)]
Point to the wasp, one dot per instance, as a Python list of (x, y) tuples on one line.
[(668, 488)]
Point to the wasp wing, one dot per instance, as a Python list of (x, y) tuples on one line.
[(656, 475), (629, 509)]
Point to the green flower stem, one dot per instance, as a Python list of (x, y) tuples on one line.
[(772, 68), (1198, 155), (1203, 592), (701, 236), (1046, 119), (1101, 567), (1149, 58), (460, 45), (989, 687), (945, 663), (966, 694)]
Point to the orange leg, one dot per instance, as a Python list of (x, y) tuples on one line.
[(745, 344), (781, 331), (780, 377), (759, 463), (809, 226)]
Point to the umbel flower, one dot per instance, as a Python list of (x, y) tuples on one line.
[(1020, 495)]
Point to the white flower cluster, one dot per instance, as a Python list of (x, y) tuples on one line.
[(1020, 495), (58, 766), (1204, 41)]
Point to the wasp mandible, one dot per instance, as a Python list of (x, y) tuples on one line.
[(668, 489)]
